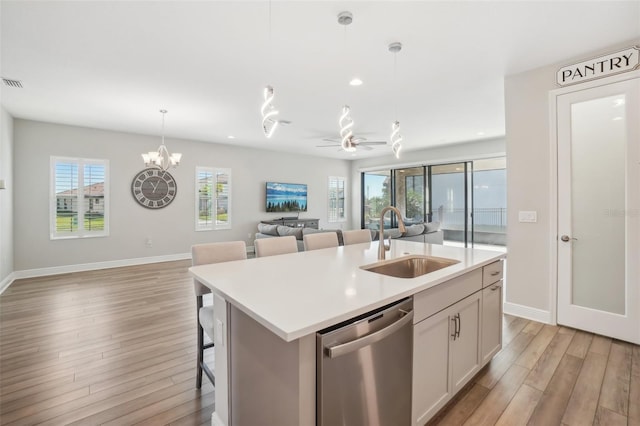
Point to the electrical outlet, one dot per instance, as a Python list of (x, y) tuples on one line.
[(149, 242), (249, 235)]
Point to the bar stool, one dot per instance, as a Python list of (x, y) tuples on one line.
[(275, 245), (320, 240), (356, 236), (202, 254)]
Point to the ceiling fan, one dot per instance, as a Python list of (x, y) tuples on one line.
[(352, 144)]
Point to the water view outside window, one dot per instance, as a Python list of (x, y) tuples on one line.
[(467, 196)]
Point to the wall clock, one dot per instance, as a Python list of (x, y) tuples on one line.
[(154, 188)]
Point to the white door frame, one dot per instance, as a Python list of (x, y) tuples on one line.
[(553, 187)]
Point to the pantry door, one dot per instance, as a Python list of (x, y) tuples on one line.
[(598, 131)]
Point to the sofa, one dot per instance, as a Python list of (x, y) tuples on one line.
[(429, 232), (420, 232)]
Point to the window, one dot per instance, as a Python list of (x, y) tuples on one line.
[(336, 199), (376, 195), (79, 198), (213, 199)]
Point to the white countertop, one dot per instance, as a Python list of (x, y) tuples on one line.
[(297, 294)]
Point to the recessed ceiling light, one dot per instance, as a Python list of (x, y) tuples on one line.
[(480, 133), (231, 137), (355, 82), (617, 118)]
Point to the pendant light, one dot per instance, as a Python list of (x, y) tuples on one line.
[(161, 159), (396, 137), (268, 110), (345, 122)]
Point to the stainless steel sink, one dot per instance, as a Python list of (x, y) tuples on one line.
[(410, 266)]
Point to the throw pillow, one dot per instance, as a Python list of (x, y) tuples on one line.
[(285, 231), (414, 230), (265, 228), (431, 227)]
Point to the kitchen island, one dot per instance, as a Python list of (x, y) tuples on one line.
[(268, 310)]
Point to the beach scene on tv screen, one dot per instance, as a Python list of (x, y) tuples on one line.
[(286, 197)]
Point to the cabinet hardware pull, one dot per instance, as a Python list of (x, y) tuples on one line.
[(494, 288), (459, 325), (493, 274), (455, 327)]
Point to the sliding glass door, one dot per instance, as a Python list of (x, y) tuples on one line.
[(449, 201), (411, 194), (468, 199), (490, 202), (376, 195)]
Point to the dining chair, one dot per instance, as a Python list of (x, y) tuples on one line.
[(202, 254), (275, 245), (320, 240), (356, 236)]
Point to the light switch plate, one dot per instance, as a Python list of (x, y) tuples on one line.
[(527, 216)]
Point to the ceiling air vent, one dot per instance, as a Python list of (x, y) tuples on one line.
[(12, 83)]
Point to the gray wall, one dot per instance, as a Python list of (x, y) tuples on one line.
[(529, 287), (6, 196), (171, 229), (487, 148)]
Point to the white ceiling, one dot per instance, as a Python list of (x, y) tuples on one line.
[(115, 64)]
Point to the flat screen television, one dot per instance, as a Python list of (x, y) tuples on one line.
[(286, 197)]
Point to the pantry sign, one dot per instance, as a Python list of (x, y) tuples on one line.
[(604, 66)]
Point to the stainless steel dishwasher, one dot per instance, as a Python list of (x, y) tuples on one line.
[(364, 369)]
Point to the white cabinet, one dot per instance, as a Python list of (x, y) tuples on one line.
[(445, 349), (491, 321), (457, 330)]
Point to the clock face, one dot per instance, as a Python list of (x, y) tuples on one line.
[(154, 188)]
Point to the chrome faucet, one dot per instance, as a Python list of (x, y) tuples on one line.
[(382, 247)]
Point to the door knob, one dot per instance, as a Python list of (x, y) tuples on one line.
[(566, 238)]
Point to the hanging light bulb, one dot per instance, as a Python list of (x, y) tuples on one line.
[(268, 111), (346, 130), (396, 137), (161, 159)]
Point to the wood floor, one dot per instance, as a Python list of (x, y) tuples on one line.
[(117, 347)]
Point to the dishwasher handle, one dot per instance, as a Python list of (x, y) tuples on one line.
[(369, 339)]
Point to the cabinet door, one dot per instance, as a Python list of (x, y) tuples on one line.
[(431, 380), (491, 321), (465, 348)]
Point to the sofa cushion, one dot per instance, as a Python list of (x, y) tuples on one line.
[(265, 228), (414, 230), (431, 227), (392, 233), (285, 231)]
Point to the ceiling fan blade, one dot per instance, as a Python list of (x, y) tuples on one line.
[(331, 140), (373, 143), (326, 146)]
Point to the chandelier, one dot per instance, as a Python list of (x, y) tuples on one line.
[(161, 159)]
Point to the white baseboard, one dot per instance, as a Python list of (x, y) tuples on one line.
[(216, 420), (55, 270), (528, 312), (4, 284)]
